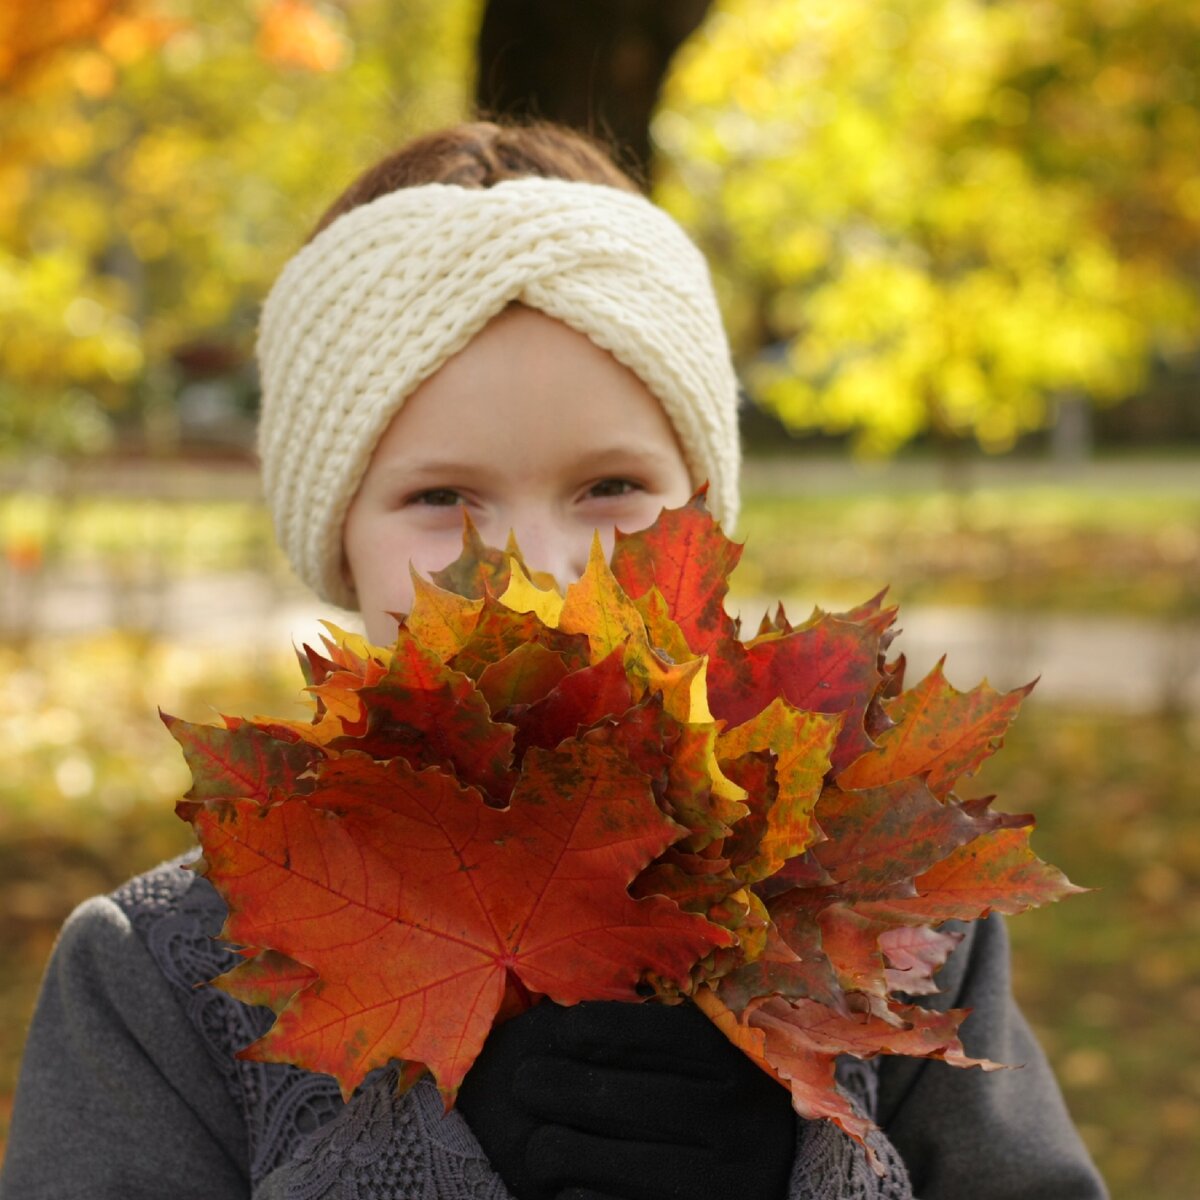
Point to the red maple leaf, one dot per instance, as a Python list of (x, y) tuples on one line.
[(413, 902)]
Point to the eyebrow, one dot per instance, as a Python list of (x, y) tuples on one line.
[(610, 456)]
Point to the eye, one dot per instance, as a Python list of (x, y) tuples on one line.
[(437, 498), (613, 487)]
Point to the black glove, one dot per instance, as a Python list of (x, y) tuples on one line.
[(606, 1099)]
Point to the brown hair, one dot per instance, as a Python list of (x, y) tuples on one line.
[(479, 154)]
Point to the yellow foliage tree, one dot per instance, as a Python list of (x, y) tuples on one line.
[(159, 163), (941, 214), (933, 214)]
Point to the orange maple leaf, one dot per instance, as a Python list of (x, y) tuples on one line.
[(412, 902)]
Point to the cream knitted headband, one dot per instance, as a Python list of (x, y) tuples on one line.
[(387, 292)]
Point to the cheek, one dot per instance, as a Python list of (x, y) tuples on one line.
[(379, 553), (645, 508), (637, 513)]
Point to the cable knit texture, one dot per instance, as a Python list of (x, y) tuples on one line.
[(305, 1144), (386, 293)]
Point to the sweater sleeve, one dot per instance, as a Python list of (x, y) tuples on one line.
[(830, 1165), (119, 1094), (1004, 1135), (117, 1097), (384, 1146)]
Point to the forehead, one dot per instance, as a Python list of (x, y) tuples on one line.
[(528, 387)]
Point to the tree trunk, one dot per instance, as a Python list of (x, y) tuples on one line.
[(595, 65)]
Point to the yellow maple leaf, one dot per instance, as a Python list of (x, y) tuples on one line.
[(440, 619), (523, 595), (596, 605)]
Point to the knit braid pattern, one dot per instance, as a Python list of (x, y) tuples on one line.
[(306, 1144), (386, 293)]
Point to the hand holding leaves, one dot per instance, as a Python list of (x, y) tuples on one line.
[(636, 1101)]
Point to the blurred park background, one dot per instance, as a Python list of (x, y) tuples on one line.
[(957, 244)]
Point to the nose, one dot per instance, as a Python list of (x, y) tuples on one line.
[(552, 546)]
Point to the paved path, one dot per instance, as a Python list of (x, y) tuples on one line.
[(1117, 663)]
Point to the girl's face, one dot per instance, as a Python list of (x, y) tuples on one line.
[(533, 428)]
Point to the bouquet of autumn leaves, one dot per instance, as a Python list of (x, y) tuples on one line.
[(607, 795)]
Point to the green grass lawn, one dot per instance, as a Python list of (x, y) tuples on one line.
[(1023, 544), (1111, 979)]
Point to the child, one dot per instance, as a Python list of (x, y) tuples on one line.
[(538, 343)]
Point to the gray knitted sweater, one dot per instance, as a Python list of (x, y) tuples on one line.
[(129, 1089)]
